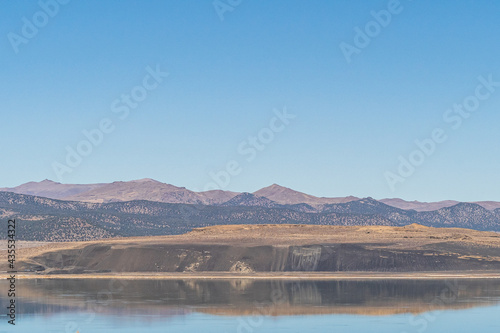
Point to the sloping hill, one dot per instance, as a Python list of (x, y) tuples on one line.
[(251, 200), (46, 219), (418, 205), (462, 215), (431, 206), (50, 189), (287, 196), (151, 190), (279, 248)]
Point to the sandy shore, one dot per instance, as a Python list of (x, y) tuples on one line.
[(269, 276)]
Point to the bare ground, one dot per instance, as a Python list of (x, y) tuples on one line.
[(250, 250)]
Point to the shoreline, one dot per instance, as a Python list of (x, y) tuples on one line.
[(266, 276)]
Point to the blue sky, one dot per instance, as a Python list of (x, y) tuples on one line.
[(228, 78)]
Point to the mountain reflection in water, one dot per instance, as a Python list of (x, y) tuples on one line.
[(246, 297)]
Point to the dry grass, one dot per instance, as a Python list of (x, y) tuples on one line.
[(409, 237)]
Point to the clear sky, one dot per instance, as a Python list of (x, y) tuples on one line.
[(231, 68)]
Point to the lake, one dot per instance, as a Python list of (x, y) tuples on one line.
[(245, 305)]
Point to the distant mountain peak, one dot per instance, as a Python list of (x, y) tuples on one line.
[(153, 190), (249, 199), (48, 181), (466, 205), (277, 187), (51, 189), (145, 180), (287, 196), (246, 195), (368, 200)]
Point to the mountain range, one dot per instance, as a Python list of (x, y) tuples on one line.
[(150, 208), (152, 190)]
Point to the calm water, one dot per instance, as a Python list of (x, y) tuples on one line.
[(244, 306)]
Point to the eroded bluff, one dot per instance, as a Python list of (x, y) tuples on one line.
[(247, 259)]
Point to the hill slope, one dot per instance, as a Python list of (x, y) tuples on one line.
[(50, 189), (44, 219), (287, 196), (152, 190), (279, 248)]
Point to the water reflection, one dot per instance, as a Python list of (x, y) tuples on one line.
[(245, 297)]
